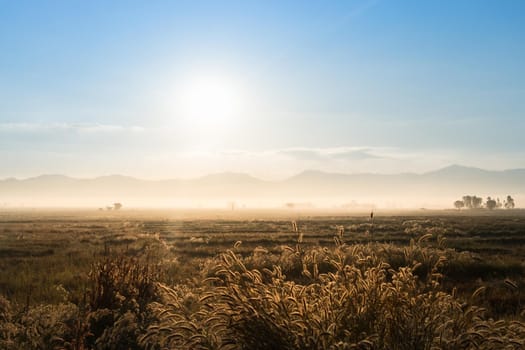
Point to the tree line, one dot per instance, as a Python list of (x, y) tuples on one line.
[(474, 202)]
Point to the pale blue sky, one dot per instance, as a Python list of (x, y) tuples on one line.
[(96, 87)]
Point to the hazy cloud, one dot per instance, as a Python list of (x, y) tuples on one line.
[(328, 154), (61, 127), (302, 154), (117, 150)]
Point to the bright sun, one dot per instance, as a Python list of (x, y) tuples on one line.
[(209, 102)]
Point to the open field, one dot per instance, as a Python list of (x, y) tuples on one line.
[(69, 262)]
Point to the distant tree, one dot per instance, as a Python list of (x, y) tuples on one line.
[(117, 206), (498, 204), (467, 201), (459, 204), (491, 203), (509, 203), (476, 202)]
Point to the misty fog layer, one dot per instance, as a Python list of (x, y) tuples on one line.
[(436, 189)]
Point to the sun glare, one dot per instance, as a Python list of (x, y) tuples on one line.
[(209, 103)]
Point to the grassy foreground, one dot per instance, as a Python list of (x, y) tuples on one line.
[(319, 283)]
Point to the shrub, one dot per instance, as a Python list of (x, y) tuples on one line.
[(122, 288)]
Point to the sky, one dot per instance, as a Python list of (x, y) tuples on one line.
[(178, 89)]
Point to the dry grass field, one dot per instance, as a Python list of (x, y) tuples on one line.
[(248, 280)]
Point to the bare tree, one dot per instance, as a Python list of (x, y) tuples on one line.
[(509, 203), (459, 204), (476, 202), (467, 201), (491, 203)]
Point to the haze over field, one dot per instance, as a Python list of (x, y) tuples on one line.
[(261, 102), (435, 189)]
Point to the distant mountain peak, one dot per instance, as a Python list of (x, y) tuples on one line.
[(50, 177), (456, 169), (116, 177), (309, 172), (228, 177)]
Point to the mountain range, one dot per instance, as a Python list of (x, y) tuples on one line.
[(445, 185)]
